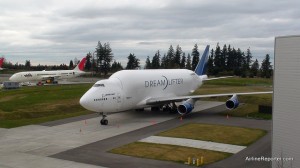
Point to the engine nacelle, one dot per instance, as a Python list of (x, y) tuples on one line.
[(186, 107), (232, 103)]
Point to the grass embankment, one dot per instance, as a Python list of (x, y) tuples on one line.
[(206, 132), (32, 105), (173, 153), (235, 85), (216, 133)]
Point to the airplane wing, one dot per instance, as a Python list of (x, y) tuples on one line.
[(207, 79), (162, 100)]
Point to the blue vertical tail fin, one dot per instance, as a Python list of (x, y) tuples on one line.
[(202, 64)]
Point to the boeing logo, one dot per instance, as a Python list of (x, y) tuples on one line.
[(164, 82)]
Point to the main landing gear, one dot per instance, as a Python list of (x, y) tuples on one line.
[(171, 108), (103, 121)]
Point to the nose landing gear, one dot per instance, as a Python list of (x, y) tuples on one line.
[(103, 121)]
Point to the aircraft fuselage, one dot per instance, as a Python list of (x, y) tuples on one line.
[(129, 89)]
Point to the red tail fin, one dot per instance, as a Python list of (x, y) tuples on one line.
[(81, 64), (1, 62)]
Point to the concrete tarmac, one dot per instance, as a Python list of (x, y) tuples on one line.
[(30, 146), (96, 153), (81, 142)]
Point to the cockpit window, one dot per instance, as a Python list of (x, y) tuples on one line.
[(99, 85)]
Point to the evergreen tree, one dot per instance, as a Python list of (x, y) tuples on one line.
[(182, 62), (116, 66), (108, 57), (248, 58), (239, 61), (88, 63), (188, 62), (230, 59), (133, 62), (195, 55), (266, 67), (177, 57), (210, 63), (71, 65), (99, 57), (244, 69), (240, 57), (218, 59), (170, 57), (148, 63), (234, 59), (254, 69), (156, 61), (27, 64), (164, 62), (224, 55), (94, 64), (104, 57)]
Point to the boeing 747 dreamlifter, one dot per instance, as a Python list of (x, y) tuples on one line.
[(138, 89)]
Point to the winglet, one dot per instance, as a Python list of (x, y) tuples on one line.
[(80, 66), (201, 67)]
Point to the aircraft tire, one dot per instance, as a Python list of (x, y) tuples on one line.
[(104, 122)]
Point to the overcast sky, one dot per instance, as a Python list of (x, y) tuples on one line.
[(56, 31)]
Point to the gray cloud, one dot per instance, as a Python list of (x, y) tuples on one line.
[(66, 29)]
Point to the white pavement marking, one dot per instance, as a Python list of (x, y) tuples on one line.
[(194, 144), (29, 146)]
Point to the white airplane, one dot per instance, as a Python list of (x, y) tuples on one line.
[(1, 63), (139, 89), (31, 76)]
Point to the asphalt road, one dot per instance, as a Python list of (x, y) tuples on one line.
[(96, 153)]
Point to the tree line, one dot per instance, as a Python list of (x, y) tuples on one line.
[(222, 61), (225, 61), (231, 61)]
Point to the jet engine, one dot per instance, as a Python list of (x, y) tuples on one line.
[(186, 107), (232, 103)]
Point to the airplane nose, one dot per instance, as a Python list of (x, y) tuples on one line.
[(87, 102), (84, 101), (12, 78)]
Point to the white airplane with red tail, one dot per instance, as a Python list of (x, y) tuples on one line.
[(33, 76)]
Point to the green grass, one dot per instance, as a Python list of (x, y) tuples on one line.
[(32, 105), (236, 85), (206, 132), (216, 133), (173, 153), (260, 116), (27, 121)]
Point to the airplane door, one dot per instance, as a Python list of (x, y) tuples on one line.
[(119, 101), (119, 98)]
